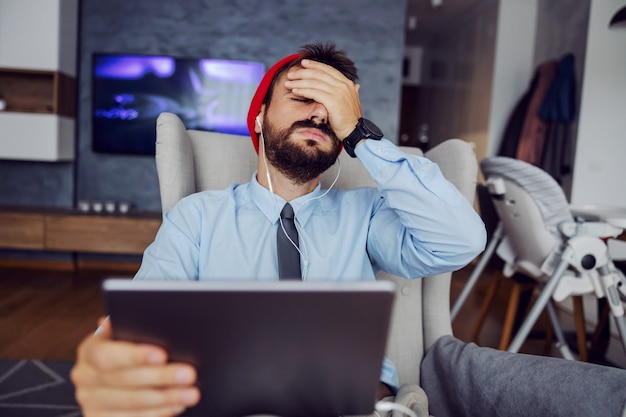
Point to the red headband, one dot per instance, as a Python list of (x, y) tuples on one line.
[(261, 91)]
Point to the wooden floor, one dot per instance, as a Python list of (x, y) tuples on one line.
[(44, 315)]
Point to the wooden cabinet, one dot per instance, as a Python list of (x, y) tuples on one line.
[(51, 230), (36, 91), (100, 234), (38, 79), (22, 230)]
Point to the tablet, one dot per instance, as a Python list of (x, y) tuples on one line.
[(284, 348)]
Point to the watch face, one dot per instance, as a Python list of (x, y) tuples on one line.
[(372, 129)]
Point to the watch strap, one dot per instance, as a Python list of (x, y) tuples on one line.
[(350, 142), (361, 131)]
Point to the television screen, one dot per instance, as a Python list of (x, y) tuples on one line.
[(130, 91)]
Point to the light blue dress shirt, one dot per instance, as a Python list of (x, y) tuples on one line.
[(414, 224)]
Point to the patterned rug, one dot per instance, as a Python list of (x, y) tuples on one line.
[(32, 388)]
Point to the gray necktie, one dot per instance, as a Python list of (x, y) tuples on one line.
[(288, 255)]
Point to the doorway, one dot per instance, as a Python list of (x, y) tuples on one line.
[(448, 69)]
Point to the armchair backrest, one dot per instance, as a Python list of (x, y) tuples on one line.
[(189, 161), (530, 205)]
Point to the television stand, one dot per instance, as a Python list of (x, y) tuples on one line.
[(58, 230)]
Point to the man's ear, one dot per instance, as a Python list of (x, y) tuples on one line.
[(259, 120)]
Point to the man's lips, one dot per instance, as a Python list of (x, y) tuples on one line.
[(312, 133)]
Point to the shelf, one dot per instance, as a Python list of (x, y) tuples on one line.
[(40, 92), (100, 234), (39, 115), (38, 79), (21, 230), (68, 231)]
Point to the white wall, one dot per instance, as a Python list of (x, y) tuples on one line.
[(513, 66), (600, 163)]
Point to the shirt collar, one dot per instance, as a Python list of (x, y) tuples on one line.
[(271, 204)]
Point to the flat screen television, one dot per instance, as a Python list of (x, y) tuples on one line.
[(130, 91)]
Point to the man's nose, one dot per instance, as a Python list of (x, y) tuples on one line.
[(318, 113)]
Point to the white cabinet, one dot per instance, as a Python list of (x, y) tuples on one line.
[(36, 137), (38, 48)]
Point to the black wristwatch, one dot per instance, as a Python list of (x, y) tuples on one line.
[(365, 129)]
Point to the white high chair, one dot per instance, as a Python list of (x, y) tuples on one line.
[(539, 237)]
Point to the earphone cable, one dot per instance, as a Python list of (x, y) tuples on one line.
[(304, 252)]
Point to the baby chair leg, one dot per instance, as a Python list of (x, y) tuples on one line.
[(496, 278), (621, 327), (561, 344), (581, 332), (615, 303), (509, 319), (542, 300), (477, 272)]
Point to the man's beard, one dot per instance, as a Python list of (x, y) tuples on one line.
[(299, 161)]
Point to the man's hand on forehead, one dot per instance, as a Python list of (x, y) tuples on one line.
[(329, 87)]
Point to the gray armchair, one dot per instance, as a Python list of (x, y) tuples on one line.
[(190, 161)]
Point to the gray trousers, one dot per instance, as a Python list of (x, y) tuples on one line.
[(462, 379)]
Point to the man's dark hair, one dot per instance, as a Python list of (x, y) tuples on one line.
[(326, 53)]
